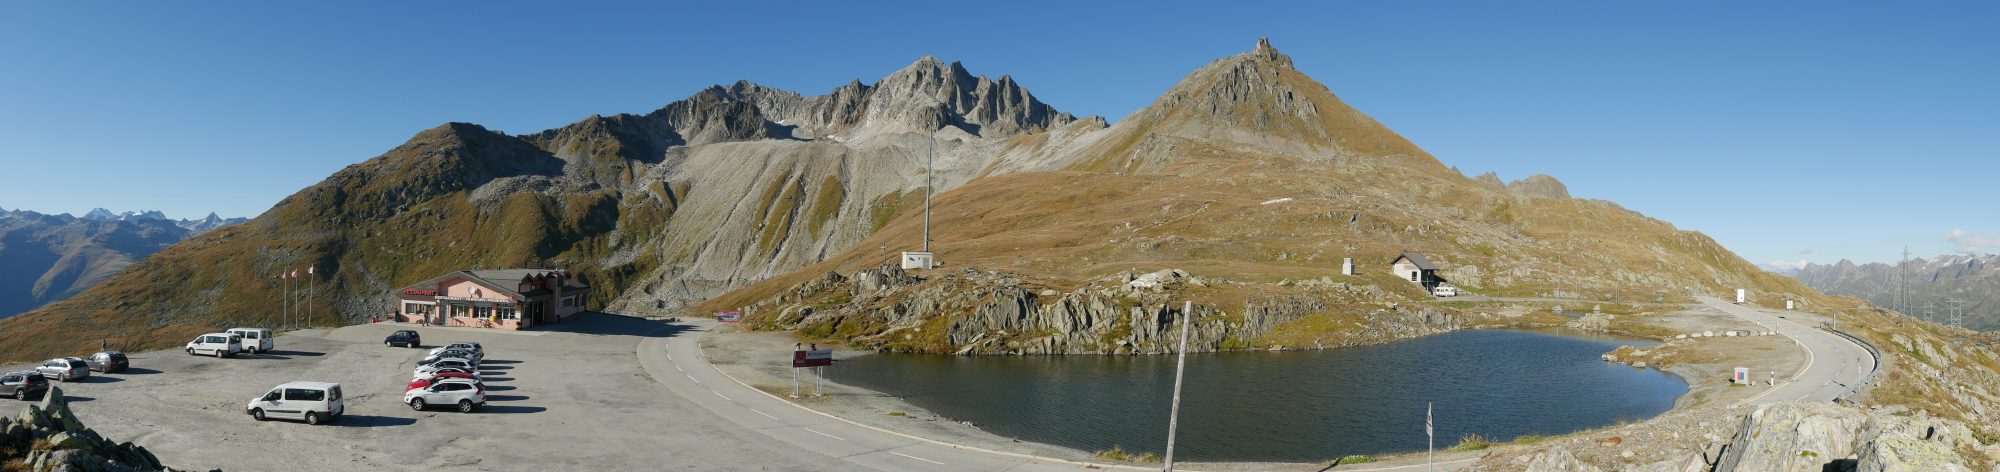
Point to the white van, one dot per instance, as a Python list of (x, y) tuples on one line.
[(216, 344), (255, 340), (314, 402)]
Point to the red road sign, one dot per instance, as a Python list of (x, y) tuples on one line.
[(813, 358)]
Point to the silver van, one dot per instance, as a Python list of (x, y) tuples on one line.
[(255, 340), (216, 344), (314, 402)]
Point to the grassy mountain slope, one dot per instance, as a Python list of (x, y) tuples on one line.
[(1252, 173)]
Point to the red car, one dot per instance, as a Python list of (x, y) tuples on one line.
[(426, 382)]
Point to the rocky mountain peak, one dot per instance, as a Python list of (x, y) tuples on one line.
[(1254, 99), (1265, 52), (929, 94), (99, 214)]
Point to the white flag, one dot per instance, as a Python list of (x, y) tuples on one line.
[(1427, 420)]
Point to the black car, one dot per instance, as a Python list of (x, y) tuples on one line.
[(404, 338), (21, 385), (108, 361)]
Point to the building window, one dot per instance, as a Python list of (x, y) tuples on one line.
[(507, 313), (459, 311), (483, 312)]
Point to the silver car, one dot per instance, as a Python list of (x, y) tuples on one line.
[(64, 369), (21, 385)]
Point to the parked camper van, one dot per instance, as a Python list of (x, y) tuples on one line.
[(314, 402), (255, 340)]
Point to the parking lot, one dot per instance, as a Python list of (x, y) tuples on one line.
[(571, 398)]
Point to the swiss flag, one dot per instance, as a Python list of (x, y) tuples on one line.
[(294, 274)]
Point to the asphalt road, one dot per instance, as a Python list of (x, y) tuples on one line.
[(1832, 362)]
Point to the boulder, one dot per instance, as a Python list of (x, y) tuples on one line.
[(1901, 451), (1557, 459)]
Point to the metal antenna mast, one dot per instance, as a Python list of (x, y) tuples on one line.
[(1956, 312), (1903, 281), (930, 156)]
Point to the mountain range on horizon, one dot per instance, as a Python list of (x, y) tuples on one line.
[(51, 257), (1971, 279), (1247, 170)]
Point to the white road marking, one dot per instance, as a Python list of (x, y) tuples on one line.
[(917, 458), (822, 434), (670, 357), (766, 415), (690, 377), (719, 394), (677, 367)]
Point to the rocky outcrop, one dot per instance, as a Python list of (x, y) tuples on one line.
[(47, 437), (1559, 460), (982, 312), (1539, 185), (1811, 437)]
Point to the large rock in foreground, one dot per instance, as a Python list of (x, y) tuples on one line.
[(46, 436), (1814, 437)]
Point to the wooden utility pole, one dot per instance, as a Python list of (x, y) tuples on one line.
[(1180, 368)]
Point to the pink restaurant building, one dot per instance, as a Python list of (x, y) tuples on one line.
[(500, 298)]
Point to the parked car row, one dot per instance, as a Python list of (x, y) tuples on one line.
[(32, 383), (448, 376)]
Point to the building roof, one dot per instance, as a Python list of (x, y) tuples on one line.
[(504, 281), (1417, 259)]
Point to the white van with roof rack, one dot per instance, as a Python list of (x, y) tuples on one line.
[(255, 340), (314, 402)]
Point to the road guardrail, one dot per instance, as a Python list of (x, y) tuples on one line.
[(1872, 351)]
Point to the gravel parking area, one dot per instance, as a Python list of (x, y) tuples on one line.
[(571, 398)]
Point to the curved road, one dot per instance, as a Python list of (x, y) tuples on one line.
[(1832, 362), (678, 362)]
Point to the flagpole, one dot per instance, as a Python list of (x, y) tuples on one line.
[(312, 289)]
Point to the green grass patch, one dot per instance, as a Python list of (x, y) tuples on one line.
[(1353, 459), (1472, 442), (1118, 453), (1530, 439)]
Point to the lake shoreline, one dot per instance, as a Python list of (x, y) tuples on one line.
[(883, 410)]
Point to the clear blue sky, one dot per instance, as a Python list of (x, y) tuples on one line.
[(1788, 132)]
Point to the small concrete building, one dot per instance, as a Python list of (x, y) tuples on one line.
[(1416, 269), (499, 298)]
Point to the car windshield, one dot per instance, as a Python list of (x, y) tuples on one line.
[(78, 363), (117, 357)]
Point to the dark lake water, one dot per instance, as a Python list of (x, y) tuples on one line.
[(1285, 406)]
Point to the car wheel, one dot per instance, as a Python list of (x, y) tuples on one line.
[(417, 404), (190, 351), (258, 414), (387, 344), (312, 418), (465, 406)]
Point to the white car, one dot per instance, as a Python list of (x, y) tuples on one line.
[(216, 344), (474, 348), (314, 402), (254, 339), (449, 363), (465, 394), (450, 354)]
